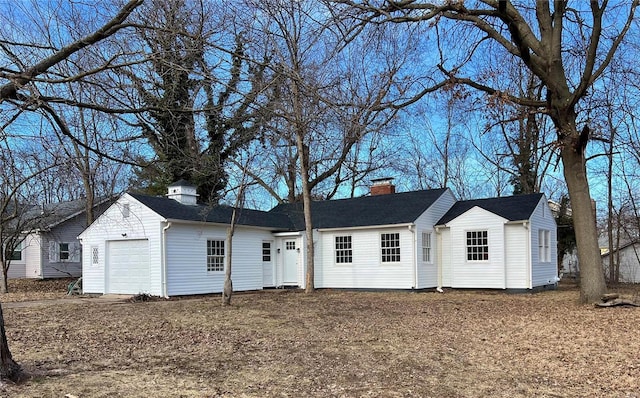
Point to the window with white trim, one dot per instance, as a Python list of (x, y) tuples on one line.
[(16, 255), (215, 255), (477, 245), (426, 247), (290, 245), (64, 253), (344, 254), (390, 247), (544, 246)]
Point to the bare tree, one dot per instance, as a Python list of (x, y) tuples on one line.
[(325, 107), (27, 69), (568, 66), (205, 94)]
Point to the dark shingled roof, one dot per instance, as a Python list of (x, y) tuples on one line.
[(49, 215), (172, 209), (513, 208), (399, 208)]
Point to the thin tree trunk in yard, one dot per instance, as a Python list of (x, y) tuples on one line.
[(592, 282), (4, 283), (306, 201), (228, 284)]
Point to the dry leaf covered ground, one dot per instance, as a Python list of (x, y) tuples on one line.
[(328, 344)]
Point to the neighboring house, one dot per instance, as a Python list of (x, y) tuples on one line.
[(629, 260), (170, 246), (50, 248), (498, 243)]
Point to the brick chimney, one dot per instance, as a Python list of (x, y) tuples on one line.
[(382, 186)]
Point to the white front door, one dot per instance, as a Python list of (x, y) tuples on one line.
[(290, 263)]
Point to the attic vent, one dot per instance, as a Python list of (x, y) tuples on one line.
[(382, 186)]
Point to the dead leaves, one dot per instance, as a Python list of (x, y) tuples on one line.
[(330, 343)]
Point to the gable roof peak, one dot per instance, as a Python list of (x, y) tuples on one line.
[(512, 208)]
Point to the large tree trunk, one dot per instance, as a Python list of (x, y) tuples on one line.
[(9, 369), (592, 281)]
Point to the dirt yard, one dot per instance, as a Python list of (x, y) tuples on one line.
[(329, 344)]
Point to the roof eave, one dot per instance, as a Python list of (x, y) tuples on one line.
[(220, 224), (375, 226)]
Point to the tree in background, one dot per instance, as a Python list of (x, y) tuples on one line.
[(566, 232), (567, 65), (28, 83), (205, 96), (329, 100)]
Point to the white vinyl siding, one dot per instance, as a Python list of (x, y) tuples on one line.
[(517, 256), (367, 270), (543, 270), (489, 273), (187, 259), (427, 272), (111, 226)]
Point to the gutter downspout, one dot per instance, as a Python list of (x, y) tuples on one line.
[(438, 259), (415, 256), (525, 224), (163, 269)]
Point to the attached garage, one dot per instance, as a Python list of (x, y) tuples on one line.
[(127, 269)]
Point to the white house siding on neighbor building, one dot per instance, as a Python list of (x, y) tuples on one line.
[(543, 272), (52, 266), (427, 272), (17, 268), (126, 221), (629, 263), (187, 258), (40, 253)]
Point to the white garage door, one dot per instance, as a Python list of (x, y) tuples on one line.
[(128, 267)]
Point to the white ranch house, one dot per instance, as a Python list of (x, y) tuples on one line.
[(169, 246)]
